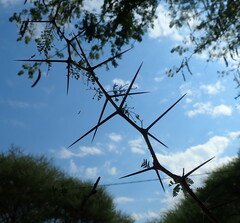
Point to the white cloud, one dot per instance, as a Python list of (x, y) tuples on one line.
[(110, 169), (137, 150), (213, 89), (73, 167), (112, 148), (92, 5), (65, 153), (209, 109), (123, 199), (238, 107), (138, 142), (137, 145), (146, 215), (81, 152), (115, 137), (121, 82), (187, 88), (91, 172), (90, 150), (188, 100), (169, 200), (196, 155), (234, 135), (158, 79), (161, 26), (8, 3)]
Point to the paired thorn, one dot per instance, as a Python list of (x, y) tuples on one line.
[(164, 113), (109, 59), (130, 87), (100, 118), (157, 140), (190, 172), (138, 172), (99, 124), (160, 180), (145, 170)]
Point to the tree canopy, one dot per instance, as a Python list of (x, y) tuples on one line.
[(213, 27), (67, 26), (220, 193), (33, 190), (111, 26)]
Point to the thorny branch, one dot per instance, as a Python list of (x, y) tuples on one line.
[(85, 66), (91, 193)]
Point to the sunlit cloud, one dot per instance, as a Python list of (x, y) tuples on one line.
[(161, 26), (234, 135), (208, 109), (123, 199), (192, 157), (115, 137), (73, 167), (169, 201), (158, 79), (212, 89), (188, 88), (145, 215), (137, 150), (81, 152), (137, 145), (113, 145), (121, 82), (113, 148), (188, 100), (92, 5), (111, 170), (8, 3), (91, 172), (198, 154)]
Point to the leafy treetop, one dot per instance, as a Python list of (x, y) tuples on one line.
[(33, 190), (214, 28)]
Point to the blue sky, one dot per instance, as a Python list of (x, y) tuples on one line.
[(44, 120)]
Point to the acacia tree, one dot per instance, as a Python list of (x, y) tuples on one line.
[(78, 63), (33, 190), (221, 191), (213, 26)]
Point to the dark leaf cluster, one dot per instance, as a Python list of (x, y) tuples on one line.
[(33, 190), (214, 28), (113, 25)]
